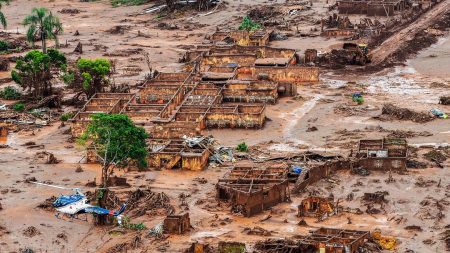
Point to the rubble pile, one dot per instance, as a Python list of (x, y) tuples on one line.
[(432, 209), (394, 112), (257, 231), (47, 204), (31, 231), (45, 157), (436, 156), (445, 236), (134, 243), (347, 110), (141, 202), (69, 11), (407, 134), (444, 100), (267, 16)]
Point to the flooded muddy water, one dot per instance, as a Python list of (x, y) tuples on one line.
[(435, 60)]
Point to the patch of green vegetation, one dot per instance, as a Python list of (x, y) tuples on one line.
[(242, 147), (117, 3), (248, 25), (19, 107), (68, 78), (66, 116), (10, 93), (4, 45), (126, 223), (358, 99)]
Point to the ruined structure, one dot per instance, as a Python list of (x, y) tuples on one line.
[(241, 37), (311, 175), (175, 153), (318, 207), (99, 103), (224, 87), (327, 240), (233, 247), (252, 190), (373, 7), (382, 155), (177, 224)]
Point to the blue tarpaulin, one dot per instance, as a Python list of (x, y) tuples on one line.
[(297, 170)]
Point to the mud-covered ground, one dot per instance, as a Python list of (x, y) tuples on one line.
[(412, 198)]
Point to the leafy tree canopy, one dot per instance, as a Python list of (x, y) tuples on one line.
[(90, 75), (36, 70), (117, 140), (44, 25)]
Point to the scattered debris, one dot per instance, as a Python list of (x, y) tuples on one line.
[(393, 112), (69, 11), (436, 156), (31, 232), (444, 100), (45, 157), (257, 231), (79, 169), (78, 48)]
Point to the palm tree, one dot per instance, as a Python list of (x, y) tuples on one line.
[(2, 17), (43, 24)]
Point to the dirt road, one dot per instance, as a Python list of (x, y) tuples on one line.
[(392, 44)]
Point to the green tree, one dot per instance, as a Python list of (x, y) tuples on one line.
[(93, 74), (2, 16), (116, 141), (36, 70), (44, 25)]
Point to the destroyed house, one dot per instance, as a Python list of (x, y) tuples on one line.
[(383, 154), (252, 190), (177, 154), (372, 8), (326, 240), (278, 65), (242, 38), (177, 224), (316, 207), (108, 103), (315, 173)]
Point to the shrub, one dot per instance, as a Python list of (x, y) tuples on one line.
[(126, 223), (248, 25), (4, 45), (19, 107), (242, 147), (10, 93), (68, 78), (66, 116), (359, 100)]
